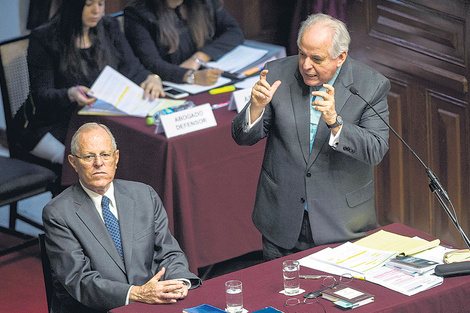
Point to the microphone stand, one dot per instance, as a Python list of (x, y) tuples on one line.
[(434, 184)]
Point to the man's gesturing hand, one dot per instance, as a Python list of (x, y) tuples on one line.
[(261, 94)]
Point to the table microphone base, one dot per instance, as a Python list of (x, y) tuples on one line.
[(453, 269)]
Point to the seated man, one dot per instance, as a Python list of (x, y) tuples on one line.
[(108, 240)]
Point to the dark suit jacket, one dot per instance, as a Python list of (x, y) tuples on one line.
[(86, 265), (337, 184)]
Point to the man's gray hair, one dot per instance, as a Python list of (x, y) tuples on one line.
[(74, 147), (341, 38)]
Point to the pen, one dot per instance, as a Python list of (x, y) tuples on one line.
[(310, 276), (219, 105), (216, 91), (204, 64), (81, 91), (251, 71), (224, 74)]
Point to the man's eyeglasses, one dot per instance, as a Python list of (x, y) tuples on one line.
[(318, 307), (329, 282), (105, 156)]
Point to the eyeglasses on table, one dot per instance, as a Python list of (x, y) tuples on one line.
[(315, 305), (329, 282)]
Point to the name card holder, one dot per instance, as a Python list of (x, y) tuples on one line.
[(239, 99), (188, 121)]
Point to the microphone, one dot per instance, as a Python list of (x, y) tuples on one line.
[(434, 185)]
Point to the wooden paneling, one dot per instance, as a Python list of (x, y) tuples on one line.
[(115, 6), (389, 176), (422, 47), (448, 144)]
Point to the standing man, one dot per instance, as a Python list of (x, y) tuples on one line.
[(316, 184), (108, 240)]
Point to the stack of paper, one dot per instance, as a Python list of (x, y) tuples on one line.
[(118, 95), (238, 58), (369, 263), (412, 264), (387, 241)]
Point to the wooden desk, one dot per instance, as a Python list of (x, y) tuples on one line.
[(206, 181), (262, 283)]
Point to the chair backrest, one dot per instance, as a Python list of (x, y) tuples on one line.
[(46, 270), (14, 79), (119, 16)]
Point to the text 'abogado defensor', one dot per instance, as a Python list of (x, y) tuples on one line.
[(190, 120)]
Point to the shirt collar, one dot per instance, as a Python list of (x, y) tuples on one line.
[(96, 197), (330, 82)]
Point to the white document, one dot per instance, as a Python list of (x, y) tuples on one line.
[(369, 264), (247, 82), (189, 120), (402, 282), (193, 89), (114, 88), (238, 58), (351, 257), (239, 99)]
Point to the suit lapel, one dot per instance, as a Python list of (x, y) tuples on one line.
[(88, 214), (300, 98), (126, 208), (342, 94)]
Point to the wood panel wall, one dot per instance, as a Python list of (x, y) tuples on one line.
[(422, 47)]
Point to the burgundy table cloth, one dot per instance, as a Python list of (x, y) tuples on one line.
[(206, 181), (262, 283)]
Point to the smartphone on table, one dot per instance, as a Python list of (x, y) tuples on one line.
[(175, 93)]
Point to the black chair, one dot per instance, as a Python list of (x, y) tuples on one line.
[(21, 176), (20, 180), (14, 83), (119, 16), (46, 270)]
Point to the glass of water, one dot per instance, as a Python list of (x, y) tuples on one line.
[(234, 296), (290, 271)]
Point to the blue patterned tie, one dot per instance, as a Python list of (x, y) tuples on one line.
[(112, 224)]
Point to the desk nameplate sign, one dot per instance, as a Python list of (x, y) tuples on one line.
[(239, 99), (189, 120)]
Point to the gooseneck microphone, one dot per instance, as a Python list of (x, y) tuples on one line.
[(434, 185)]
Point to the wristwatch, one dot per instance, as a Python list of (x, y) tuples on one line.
[(191, 77), (339, 122)]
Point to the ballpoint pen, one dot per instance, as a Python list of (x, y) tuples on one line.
[(311, 276), (81, 91), (224, 73)]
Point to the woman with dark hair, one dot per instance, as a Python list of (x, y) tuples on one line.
[(174, 36), (65, 56)]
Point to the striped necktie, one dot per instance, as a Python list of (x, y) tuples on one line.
[(112, 224)]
